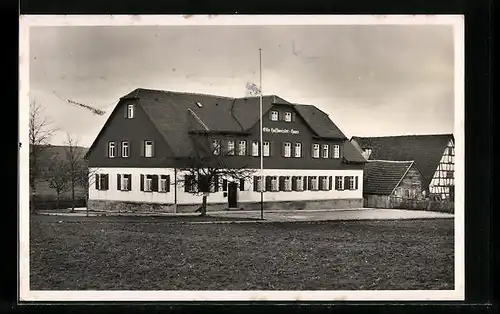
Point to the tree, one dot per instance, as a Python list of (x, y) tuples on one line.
[(40, 133), (200, 173), (76, 162), (57, 176), (252, 89)]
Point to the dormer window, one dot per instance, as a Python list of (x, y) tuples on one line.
[(274, 115), (367, 152), (199, 104), (288, 116), (111, 149), (130, 111)]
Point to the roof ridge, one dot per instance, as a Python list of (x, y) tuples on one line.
[(404, 135), (182, 93), (392, 161)]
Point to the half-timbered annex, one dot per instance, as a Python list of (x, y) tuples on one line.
[(136, 160), (433, 156)]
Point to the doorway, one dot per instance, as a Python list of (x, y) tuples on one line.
[(232, 194)]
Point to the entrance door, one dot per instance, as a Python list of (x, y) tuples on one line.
[(232, 194)]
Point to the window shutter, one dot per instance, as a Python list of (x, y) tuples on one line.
[(96, 181), (216, 183), (268, 184), (154, 183), (187, 182), (346, 183), (270, 114), (356, 182), (312, 150), (142, 182), (143, 146), (329, 183), (167, 183), (107, 181), (125, 112), (242, 184), (309, 183), (129, 182), (293, 116), (281, 181), (294, 183), (224, 185), (304, 183), (337, 186), (255, 182), (283, 149), (118, 182), (153, 149)]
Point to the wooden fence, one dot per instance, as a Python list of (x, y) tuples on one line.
[(422, 204)]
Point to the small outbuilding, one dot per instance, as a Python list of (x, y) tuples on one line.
[(392, 184)]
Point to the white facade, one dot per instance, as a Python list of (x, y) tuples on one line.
[(247, 195)]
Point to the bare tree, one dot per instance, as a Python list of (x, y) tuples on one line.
[(252, 89), (57, 176), (208, 164), (75, 159), (40, 133)]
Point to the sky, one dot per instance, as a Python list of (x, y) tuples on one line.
[(372, 80)]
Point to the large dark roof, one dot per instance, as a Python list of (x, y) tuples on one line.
[(425, 150), (176, 113), (381, 177)]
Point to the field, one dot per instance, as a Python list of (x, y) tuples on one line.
[(122, 253)]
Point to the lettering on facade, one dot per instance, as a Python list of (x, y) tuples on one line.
[(278, 130)]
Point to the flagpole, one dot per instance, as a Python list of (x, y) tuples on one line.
[(261, 143)]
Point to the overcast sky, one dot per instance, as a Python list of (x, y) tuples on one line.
[(371, 80)]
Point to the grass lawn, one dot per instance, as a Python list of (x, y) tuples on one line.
[(130, 253)]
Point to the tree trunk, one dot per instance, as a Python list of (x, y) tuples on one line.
[(204, 206), (32, 198), (87, 203), (72, 194), (57, 200)]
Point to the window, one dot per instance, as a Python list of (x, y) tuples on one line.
[(324, 183), (148, 183), (242, 148), (287, 149), (339, 183), (257, 183), (125, 149), (242, 185), (299, 183), (123, 182), (351, 183), (164, 185), (274, 184), (298, 150), (336, 151), (325, 151), (274, 115), (315, 152), (314, 183), (255, 148), (111, 149), (189, 184), (215, 147), (407, 193), (287, 184), (230, 147), (148, 148), (288, 116), (130, 111), (101, 181), (266, 149)]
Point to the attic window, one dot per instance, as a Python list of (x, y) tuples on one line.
[(199, 104)]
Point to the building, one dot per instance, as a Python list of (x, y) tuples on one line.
[(136, 158), (433, 156), (391, 184)]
